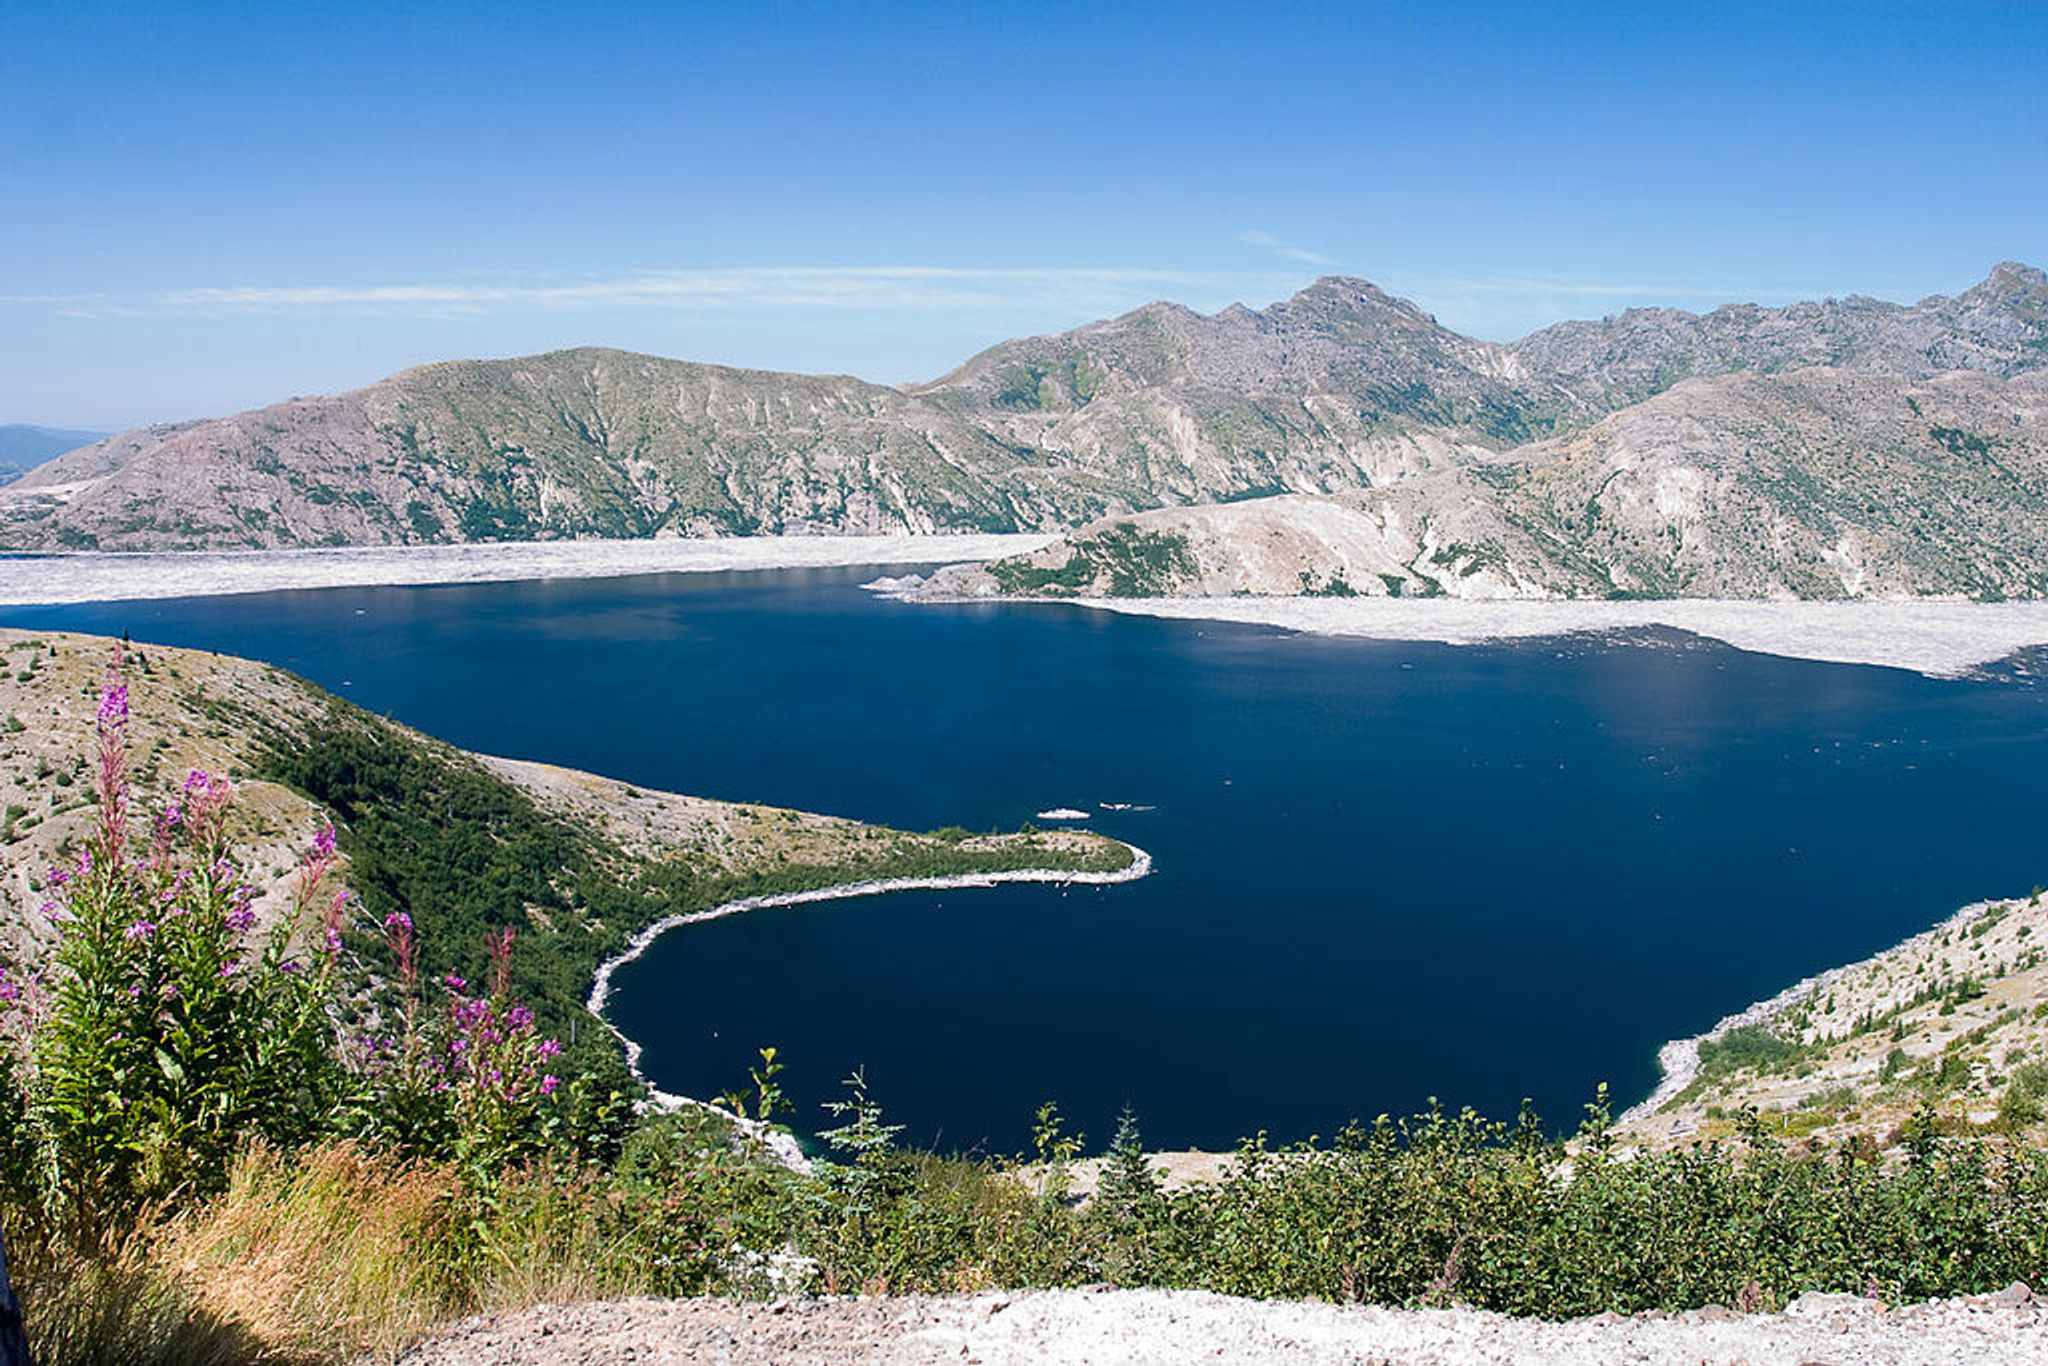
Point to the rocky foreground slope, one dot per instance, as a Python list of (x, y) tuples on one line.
[(1341, 389), (1953, 1022)]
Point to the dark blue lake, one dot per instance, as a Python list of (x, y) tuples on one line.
[(1385, 871)]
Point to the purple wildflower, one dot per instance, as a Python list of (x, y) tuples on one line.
[(141, 929), (548, 1083), (114, 705)]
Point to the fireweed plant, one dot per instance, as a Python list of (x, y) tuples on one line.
[(469, 1081), (169, 1032)]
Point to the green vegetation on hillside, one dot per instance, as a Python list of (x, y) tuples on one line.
[(1123, 559), (468, 855)]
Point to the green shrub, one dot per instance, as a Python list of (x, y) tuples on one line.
[(1744, 1048)]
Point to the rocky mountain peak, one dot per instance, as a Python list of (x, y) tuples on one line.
[(2012, 284), (1342, 295)]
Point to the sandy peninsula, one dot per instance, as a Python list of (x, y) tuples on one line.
[(1938, 637)]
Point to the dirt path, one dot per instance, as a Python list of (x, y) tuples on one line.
[(1167, 1328)]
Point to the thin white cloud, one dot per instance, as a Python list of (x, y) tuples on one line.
[(1291, 250), (905, 288)]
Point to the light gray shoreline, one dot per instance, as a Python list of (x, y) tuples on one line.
[(1679, 1060), (1937, 637), (93, 576), (783, 1147)]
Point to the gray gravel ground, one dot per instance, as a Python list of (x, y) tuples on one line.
[(1144, 1327)]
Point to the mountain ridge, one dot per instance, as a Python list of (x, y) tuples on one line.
[(25, 445), (1342, 389)]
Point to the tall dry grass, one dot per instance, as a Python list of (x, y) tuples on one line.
[(332, 1253), (324, 1254), (110, 1304)]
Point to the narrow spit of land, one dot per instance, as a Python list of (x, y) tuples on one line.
[(1939, 638), (781, 1145)]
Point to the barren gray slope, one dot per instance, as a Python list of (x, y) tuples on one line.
[(575, 443), (2000, 326), (1820, 483)]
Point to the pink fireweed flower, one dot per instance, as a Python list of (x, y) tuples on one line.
[(163, 833), (141, 929), (336, 916), (548, 1082), (112, 786), (230, 968), (113, 704), (207, 796), (317, 865), (455, 983), (242, 919), (291, 965), (547, 1048)]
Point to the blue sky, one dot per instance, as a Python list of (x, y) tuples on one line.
[(205, 207)]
